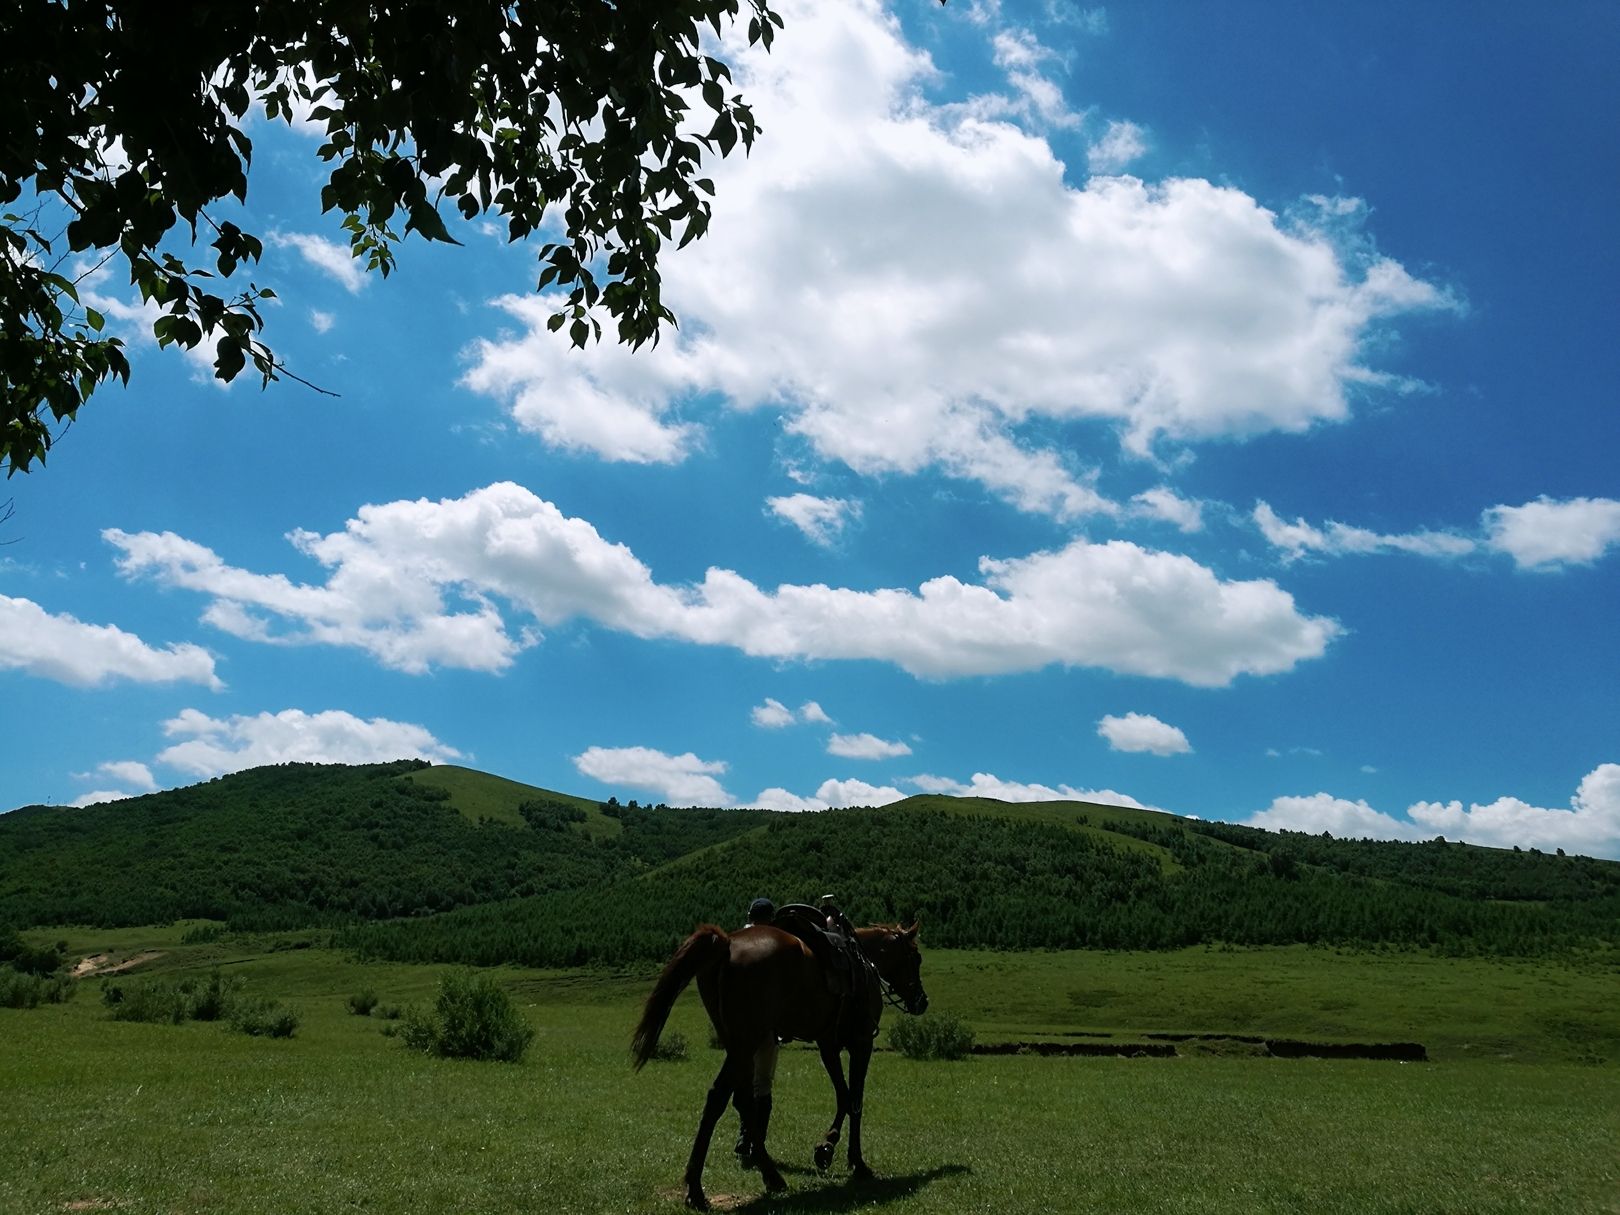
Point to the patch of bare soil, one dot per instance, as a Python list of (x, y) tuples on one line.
[(103, 964), (717, 1202)]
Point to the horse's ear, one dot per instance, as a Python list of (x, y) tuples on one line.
[(908, 934)]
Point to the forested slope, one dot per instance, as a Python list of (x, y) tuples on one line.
[(528, 875), (300, 844), (983, 879)]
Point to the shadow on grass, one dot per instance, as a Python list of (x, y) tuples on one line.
[(850, 1193)]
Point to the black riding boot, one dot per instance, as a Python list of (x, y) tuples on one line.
[(762, 1109)]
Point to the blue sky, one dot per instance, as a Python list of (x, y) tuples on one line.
[(1207, 408)]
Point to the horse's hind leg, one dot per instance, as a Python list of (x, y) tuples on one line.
[(713, 1106)]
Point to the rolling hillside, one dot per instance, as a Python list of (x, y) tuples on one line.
[(449, 864)]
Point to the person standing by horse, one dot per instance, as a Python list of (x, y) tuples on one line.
[(760, 911)]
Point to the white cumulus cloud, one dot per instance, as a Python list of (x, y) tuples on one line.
[(1140, 732), (987, 784), (865, 746), (919, 286), (210, 746), (1548, 534), (1298, 538), (830, 795), (335, 260), (1589, 825), (65, 649), (680, 780), (420, 584), (822, 520), (774, 715)]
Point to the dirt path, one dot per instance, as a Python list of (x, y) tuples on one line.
[(102, 964)]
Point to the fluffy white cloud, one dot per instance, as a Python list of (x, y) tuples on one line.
[(821, 520), (1322, 812), (97, 797), (1590, 825), (986, 784), (67, 650), (1298, 538), (918, 286), (212, 746), (395, 568), (681, 780), (1120, 144), (1547, 534), (334, 260), (865, 746), (128, 772), (774, 715), (1140, 732), (1161, 502), (832, 794)]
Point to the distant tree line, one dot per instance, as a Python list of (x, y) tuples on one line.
[(987, 882), (399, 872)]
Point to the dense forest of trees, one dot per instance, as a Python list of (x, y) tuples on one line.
[(988, 882), (295, 845), (390, 863)]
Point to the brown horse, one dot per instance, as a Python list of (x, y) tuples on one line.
[(762, 984)]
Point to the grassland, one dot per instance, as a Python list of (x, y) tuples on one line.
[(142, 1118)]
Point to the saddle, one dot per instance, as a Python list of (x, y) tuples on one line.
[(850, 973)]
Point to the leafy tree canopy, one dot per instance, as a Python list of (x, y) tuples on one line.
[(128, 121)]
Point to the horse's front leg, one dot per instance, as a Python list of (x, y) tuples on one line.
[(835, 1072), (860, 1058)]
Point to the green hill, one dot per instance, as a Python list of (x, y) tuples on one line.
[(521, 873), (300, 844)]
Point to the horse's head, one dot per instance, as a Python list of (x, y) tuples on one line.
[(894, 952)]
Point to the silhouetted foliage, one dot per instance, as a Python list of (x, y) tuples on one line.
[(127, 132)]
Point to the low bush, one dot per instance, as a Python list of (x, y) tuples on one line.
[(211, 1000), (263, 1018), (146, 1000), (390, 1012), (20, 990), (362, 1002), (932, 1036), (671, 1048), (472, 1018)]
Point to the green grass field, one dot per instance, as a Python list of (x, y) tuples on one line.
[(99, 1115)]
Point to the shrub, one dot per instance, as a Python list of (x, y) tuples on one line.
[(671, 1048), (932, 1036), (210, 1001), (146, 1000), (19, 990), (263, 1018), (472, 1018), (389, 1012), (362, 1002), (37, 960)]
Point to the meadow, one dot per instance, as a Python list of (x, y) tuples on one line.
[(1518, 1110)]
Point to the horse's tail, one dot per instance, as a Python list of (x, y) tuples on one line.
[(704, 950)]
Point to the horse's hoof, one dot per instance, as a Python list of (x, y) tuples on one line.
[(747, 1160), (697, 1200), (776, 1184), (824, 1156), (862, 1172)]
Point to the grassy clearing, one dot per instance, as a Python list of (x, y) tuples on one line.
[(193, 1118), (482, 797)]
